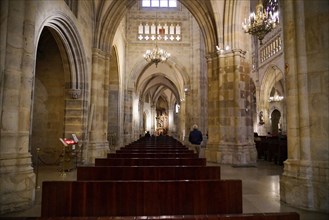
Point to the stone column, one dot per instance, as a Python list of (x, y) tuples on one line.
[(171, 124), (128, 116), (17, 179), (182, 122), (153, 115), (98, 144), (305, 180), (140, 117), (113, 116), (233, 144), (212, 150)]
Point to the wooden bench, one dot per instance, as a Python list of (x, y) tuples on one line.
[(150, 162), (272, 148), (156, 147), (141, 198), (145, 144), (152, 155), (124, 150), (247, 216), (158, 140), (148, 173)]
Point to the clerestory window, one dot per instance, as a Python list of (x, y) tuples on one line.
[(159, 3)]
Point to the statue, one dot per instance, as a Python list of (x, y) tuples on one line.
[(261, 118)]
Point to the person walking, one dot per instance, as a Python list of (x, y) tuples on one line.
[(195, 138)]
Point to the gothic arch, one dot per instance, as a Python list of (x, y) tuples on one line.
[(200, 9), (113, 16), (203, 13), (75, 68), (69, 43), (179, 77), (161, 82), (272, 75)]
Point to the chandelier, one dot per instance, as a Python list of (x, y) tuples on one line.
[(156, 55), (276, 97), (264, 21)]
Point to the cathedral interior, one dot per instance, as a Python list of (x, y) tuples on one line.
[(106, 72)]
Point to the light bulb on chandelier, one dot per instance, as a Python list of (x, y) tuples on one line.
[(263, 21)]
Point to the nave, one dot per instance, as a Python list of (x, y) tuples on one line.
[(260, 188)]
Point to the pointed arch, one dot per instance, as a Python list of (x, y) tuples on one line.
[(273, 74), (200, 9), (75, 68), (69, 43)]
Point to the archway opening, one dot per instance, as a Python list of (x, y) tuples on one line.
[(275, 119), (113, 100), (48, 101)]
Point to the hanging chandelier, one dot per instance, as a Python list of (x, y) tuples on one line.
[(264, 21), (156, 55), (276, 97)]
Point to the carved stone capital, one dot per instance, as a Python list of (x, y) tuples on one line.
[(74, 93)]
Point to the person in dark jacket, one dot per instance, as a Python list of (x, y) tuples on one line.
[(195, 138), (147, 135)]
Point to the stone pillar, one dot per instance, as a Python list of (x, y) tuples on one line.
[(17, 179), (183, 135), (171, 124), (128, 116), (153, 115), (212, 150), (140, 122), (74, 117), (305, 179), (98, 144), (113, 116), (233, 144)]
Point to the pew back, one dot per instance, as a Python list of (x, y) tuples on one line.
[(150, 162), (152, 155), (148, 173), (148, 150), (248, 216), (141, 198)]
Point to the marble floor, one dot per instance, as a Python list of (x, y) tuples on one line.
[(261, 189)]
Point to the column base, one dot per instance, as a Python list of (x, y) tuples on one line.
[(304, 184), (96, 150), (234, 154), (17, 191)]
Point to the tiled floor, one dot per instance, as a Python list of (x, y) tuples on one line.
[(261, 189)]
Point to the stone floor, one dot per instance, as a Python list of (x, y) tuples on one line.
[(261, 189)]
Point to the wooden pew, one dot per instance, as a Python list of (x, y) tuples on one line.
[(150, 162), (143, 150), (148, 173), (245, 216), (156, 147), (272, 149), (141, 198), (152, 155)]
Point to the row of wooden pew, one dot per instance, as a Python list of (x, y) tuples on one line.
[(134, 183), (272, 148)]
